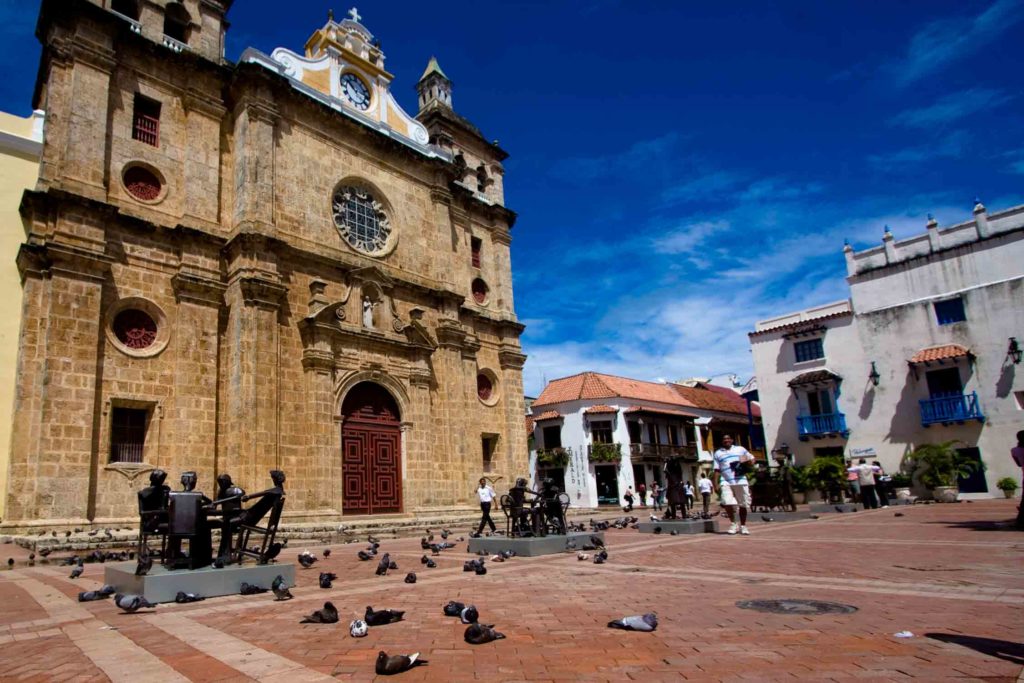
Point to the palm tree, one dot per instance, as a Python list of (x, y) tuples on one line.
[(941, 464)]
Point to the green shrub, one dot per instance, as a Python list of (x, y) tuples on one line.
[(941, 464), (1007, 484)]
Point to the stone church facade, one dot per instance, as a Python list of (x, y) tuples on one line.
[(269, 264)]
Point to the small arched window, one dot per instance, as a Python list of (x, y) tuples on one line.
[(127, 8), (176, 22)]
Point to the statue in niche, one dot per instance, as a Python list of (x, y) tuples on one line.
[(367, 312)]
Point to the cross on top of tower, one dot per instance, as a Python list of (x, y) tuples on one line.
[(354, 13)]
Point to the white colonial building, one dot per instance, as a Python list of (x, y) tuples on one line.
[(597, 434), (924, 351)]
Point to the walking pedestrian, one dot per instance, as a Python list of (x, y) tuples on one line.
[(881, 484), (731, 466), (628, 497), (688, 490), (705, 486), (853, 481), (486, 494), (656, 496), (1017, 453), (866, 477), (642, 492)]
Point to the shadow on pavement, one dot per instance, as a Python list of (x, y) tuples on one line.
[(1002, 649), (1008, 525)]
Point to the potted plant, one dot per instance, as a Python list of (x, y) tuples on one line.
[(901, 484), (605, 453), (798, 476), (1008, 485), (939, 466), (828, 475), (553, 457)]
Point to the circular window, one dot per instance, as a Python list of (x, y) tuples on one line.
[(480, 291), (361, 220), (487, 387), (137, 327), (142, 183)]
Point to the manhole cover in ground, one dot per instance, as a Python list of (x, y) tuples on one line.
[(799, 607)]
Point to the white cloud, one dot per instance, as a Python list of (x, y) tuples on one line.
[(952, 107), (686, 238)]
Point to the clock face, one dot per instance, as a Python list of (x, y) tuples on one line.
[(355, 91)]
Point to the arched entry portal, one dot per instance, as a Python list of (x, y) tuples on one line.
[(371, 451)]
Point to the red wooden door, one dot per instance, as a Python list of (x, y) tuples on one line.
[(371, 452)]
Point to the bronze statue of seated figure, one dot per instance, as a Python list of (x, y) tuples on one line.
[(521, 520), (269, 504), (224, 514), (554, 504), (187, 524), (153, 510)]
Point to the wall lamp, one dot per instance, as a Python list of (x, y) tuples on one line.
[(873, 375), (1014, 352)]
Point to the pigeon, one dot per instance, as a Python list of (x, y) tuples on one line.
[(327, 552), (424, 559), (326, 578), (90, 596), (250, 589), (434, 549), (480, 634), (444, 534), (654, 518), (67, 534), (382, 617), (45, 552), (431, 564), (91, 533), (327, 615), (307, 559), (384, 565), (814, 516), (107, 590), (480, 568), (218, 563), (603, 555), (358, 628), (657, 529), (482, 553), (389, 666), (131, 603), (469, 614), (674, 533), (363, 555), (766, 518), (582, 557), (280, 589), (596, 540), (898, 514), (373, 539), (424, 543), (410, 577), (453, 608), (497, 558), (839, 508), (647, 622), (392, 565), (31, 557), (71, 561), (273, 551), (183, 597), (468, 565), (145, 562), (598, 559), (75, 573)]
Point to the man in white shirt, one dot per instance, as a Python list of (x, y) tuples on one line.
[(486, 494), (706, 487), (866, 477), (731, 483)]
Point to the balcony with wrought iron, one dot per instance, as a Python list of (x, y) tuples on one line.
[(951, 408), (657, 453), (608, 453), (822, 426), (553, 457)]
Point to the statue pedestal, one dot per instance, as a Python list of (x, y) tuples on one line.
[(680, 526), (532, 546), (162, 584)]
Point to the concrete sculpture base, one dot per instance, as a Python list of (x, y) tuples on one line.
[(162, 585), (532, 546)]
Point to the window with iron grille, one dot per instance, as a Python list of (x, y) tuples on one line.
[(553, 437), (146, 120), (810, 349), (127, 434), (601, 432), (475, 244), (950, 311)]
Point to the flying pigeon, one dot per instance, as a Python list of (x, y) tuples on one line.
[(131, 603), (647, 622), (307, 559), (481, 634), (183, 597), (327, 552), (90, 596), (280, 589), (389, 666), (453, 608), (358, 628), (327, 615), (363, 555), (250, 589), (326, 578), (410, 577), (382, 617), (469, 614), (384, 565)]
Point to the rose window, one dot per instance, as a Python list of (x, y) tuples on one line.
[(142, 183), (480, 290), (484, 387), (360, 219), (135, 329)]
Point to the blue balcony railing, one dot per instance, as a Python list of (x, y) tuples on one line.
[(821, 425), (951, 408)]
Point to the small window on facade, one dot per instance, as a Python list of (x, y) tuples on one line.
[(146, 120), (673, 435), (480, 290), (487, 445), (653, 434), (484, 387), (811, 349), (127, 434), (127, 8), (601, 432), (553, 437), (634, 431), (950, 311), (475, 244), (176, 21)]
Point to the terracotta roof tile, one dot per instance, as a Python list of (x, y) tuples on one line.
[(592, 385), (600, 409), (720, 399), (799, 323), (549, 415), (940, 353), (814, 377)]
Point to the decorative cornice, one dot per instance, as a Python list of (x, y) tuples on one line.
[(262, 292), (198, 289), (470, 346), (315, 360), (450, 334), (197, 100), (511, 358)]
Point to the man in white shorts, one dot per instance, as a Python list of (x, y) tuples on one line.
[(731, 482)]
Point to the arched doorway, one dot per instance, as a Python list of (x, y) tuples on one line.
[(371, 451)]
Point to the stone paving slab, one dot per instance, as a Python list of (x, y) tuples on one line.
[(948, 573)]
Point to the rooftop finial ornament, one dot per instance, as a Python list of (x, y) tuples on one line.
[(978, 206), (354, 13), (330, 14), (931, 221), (887, 232)]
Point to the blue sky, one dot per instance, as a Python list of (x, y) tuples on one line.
[(683, 169)]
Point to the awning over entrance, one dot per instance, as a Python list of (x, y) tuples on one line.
[(937, 354), (639, 410), (815, 377)]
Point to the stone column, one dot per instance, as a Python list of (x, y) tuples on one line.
[(516, 454)]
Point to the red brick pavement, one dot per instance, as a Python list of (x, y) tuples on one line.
[(952, 570)]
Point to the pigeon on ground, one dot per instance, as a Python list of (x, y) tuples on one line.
[(145, 562), (307, 559), (131, 603), (469, 614), (218, 563), (468, 565), (654, 518), (424, 559), (327, 552), (582, 557), (327, 615), (251, 589), (497, 558), (444, 534), (183, 597), (45, 552), (839, 508), (372, 539), (363, 555), (509, 554), (598, 559), (766, 518), (674, 533), (814, 516), (647, 622), (480, 569), (434, 549), (389, 666), (424, 543), (75, 573), (430, 563), (107, 590), (358, 628), (603, 555), (657, 529), (90, 596), (10, 563), (392, 565), (31, 557), (410, 577), (382, 617), (453, 608), (273, 551), (481, 634), (384, 565), (481, 553), (280, 589), (326, 578), (596, 540)]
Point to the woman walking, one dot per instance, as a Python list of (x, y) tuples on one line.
[(486, 494)]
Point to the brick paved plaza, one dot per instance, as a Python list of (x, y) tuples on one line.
[(949, 570)]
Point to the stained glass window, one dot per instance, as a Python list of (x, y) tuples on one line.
[(361, 219), (135, 329)]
